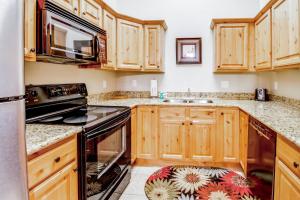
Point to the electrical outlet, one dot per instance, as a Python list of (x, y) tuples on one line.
[(225, 84), (104, 84), (275, 85), (134, 83)]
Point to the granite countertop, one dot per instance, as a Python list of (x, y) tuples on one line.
[(40, 136), (282, 118)]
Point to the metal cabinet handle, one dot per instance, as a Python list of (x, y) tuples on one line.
[(57, 159), (296, 165)]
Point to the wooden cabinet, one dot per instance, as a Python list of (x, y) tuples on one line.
[(228, 135), (129, 45), (286, 33), (202, 134), (70, 5), (263, 42), (147, 119), (244, 125), (133, 135), (110, 25), (154, 47), (53, 174), (172, 133), (29, 30), (91, 11), (287, 184), (232, 45), (61, 186), (172, 139)]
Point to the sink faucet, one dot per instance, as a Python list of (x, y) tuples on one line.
[(189, 93)]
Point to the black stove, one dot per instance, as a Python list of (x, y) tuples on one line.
[(104, 143)]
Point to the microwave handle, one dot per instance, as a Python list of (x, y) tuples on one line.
[(97, 46)]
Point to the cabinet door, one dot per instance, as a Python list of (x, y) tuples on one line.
[(228, 135), (286, 32), (29, 30), (263, 42), (202, 141), (244, 123), (172, 139), (232, 46), (110, 25), (133, 135), (62, 185), (147, 132), (91, 11), (153, 47), (70, 5), (287, 184), (129, 45)]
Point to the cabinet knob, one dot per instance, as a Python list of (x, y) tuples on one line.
[(219, 66), (296, 165), (57, 159), (191, 123), (75, 9), (83, 13), (75, 170), (157, 67), (141, 66), (222, 113), (32, 50), (183, 123), (152, 111)]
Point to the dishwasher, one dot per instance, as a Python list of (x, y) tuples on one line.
[(261, 159)]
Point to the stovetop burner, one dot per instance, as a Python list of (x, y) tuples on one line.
[(80, 119), (52, 119)]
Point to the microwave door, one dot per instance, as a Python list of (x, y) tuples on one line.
[(69, 40)]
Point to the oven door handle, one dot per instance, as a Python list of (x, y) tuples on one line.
[(115, 125), (259, 132)]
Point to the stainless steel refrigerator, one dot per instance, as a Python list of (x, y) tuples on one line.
[(13, 178)]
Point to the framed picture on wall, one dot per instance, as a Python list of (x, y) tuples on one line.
[(189, 50)]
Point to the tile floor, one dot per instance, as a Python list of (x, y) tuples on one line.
[(139, 176)]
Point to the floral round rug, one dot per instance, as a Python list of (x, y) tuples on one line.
[(191, 183)]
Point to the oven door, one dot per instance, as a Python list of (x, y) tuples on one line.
[(65, 39), (105, 156)]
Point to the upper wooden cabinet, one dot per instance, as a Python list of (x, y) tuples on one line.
[(29, 30), (70, 5), (232, 47), (286, 33), (228, 134), (147, 126), (154, 47), (91, 11), (110, 25), (263, 44), (129, 45)]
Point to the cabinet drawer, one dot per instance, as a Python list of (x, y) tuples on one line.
[(202, 113), (50, 162), (172, 113), (289, 155)]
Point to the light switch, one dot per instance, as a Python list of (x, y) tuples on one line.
[(104, 84), (275, 85), (134, 83)]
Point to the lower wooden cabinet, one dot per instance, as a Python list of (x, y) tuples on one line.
[(133, 135), (61, 186), (172, 139), (228, 135), (52, 175), (147, 132), (244, 124), (287, 184)]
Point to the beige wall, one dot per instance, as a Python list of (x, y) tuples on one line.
[(45, 73), (287, 82), (189, 18)]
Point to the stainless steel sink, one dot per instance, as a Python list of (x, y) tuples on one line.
[(187, 101)]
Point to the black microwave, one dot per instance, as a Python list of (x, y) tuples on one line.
[(65, 38)]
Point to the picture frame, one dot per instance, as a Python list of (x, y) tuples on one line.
[(189, 50)]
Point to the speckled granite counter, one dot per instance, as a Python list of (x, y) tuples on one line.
[(41, 136), (280, 117)]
